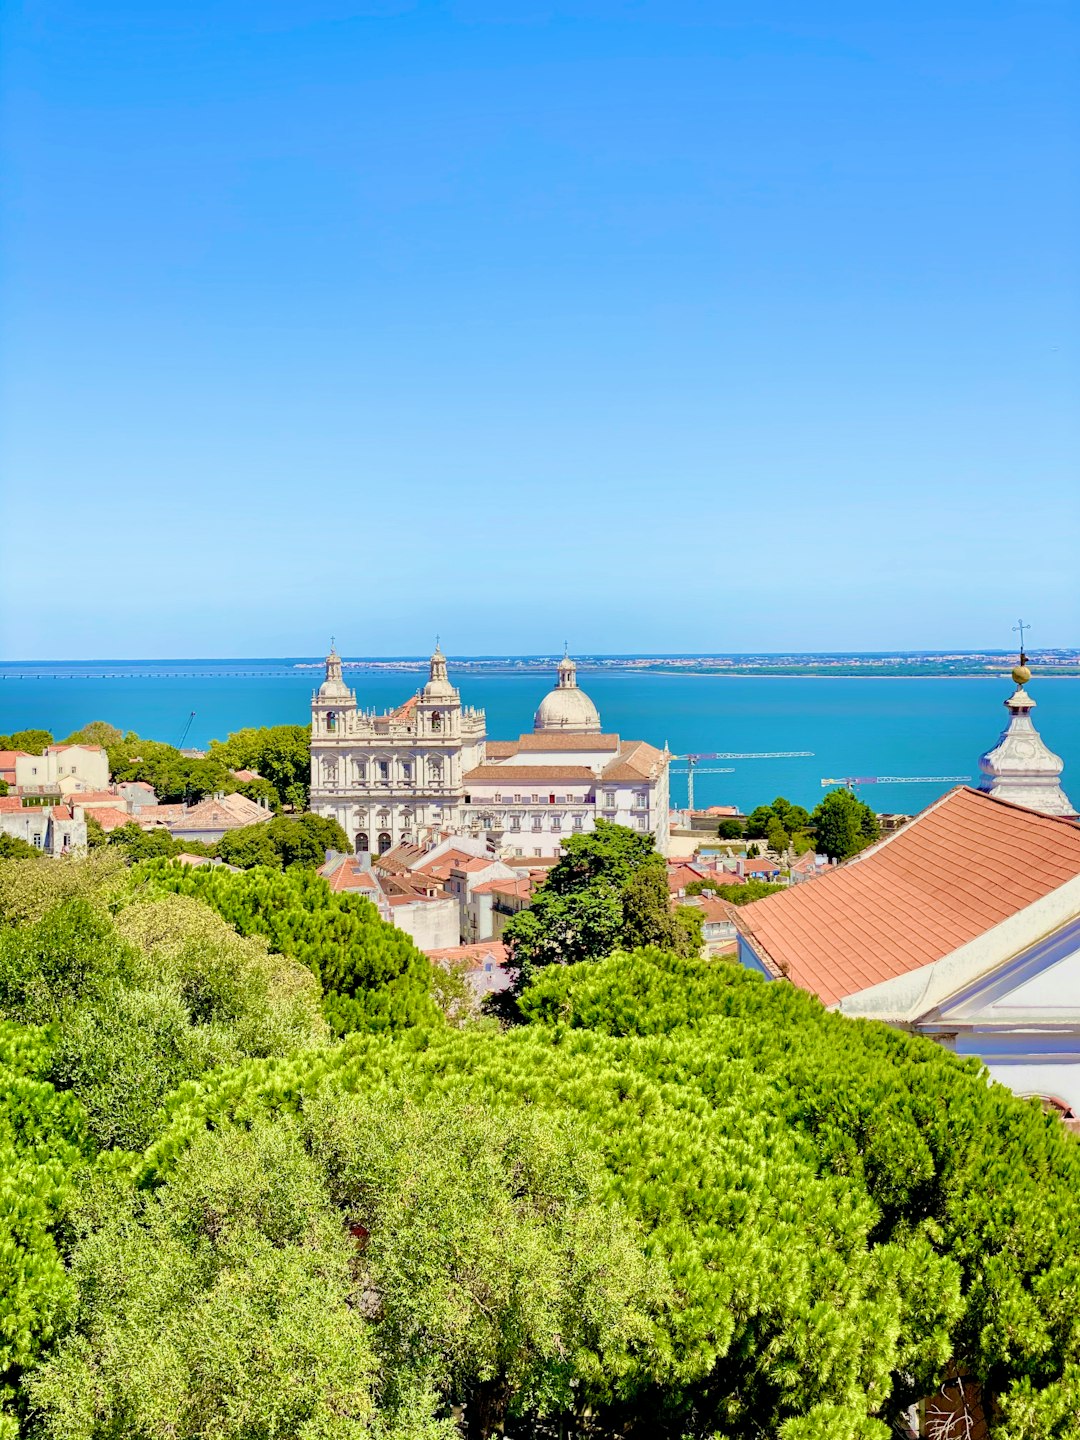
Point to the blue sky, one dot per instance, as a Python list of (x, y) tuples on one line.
[(661, 325)]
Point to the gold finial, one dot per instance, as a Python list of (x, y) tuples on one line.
[(1021, 674)]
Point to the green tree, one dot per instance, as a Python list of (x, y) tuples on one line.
[(3, 787), (33, 742), (609, 888), (758, 822), (280, 754), (14, 848), (843, 825), (730, 829), (286, 840), (98, 732), (372, 975), (776, 837)]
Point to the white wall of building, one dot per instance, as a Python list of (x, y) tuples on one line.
[(88, 764)]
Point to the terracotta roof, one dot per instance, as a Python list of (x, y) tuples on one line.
[(96, 797), (404, 712), (55, 749), (511, 775), (246, 776), (10, 803), (762, 867), (108, 816), (473, 955), (8, 758), (499, 749), (345, 872), (552, 740), (681, 875), (62, 812), (959, 868), (232, 812), (636, 760), (520, 889), (537, 864)]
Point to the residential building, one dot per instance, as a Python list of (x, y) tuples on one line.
[(208, 820), (56, 829), (482, 965), (418, 906), (426, 770), (84, 767)]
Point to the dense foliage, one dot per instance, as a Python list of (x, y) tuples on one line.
[(844, 1214), (677, 1202), (372, 975), (744, 894), (281, 754), (609, 889), (286, 840), (31, 742), (844, 825)]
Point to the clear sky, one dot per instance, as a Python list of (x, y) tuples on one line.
[(654, 324)]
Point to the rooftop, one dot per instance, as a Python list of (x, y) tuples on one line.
[(511, 775), (959, 868)]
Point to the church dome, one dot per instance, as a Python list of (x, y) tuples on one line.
[(566, 708)]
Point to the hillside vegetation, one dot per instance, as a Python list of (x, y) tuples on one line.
[(674, 1201)]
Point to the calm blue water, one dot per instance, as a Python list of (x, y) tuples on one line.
[(854, 726)]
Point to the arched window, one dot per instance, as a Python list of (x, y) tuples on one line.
[(384, 843), (331, 719), (436, 720), (362, 841)]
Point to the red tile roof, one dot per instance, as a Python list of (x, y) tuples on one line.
[(473, 955), (682, 875), (636, 760), (10, 802), (107, 816), (520, 889), (959, 868), (514, 776), (551, 740)]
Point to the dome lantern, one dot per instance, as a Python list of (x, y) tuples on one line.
[(567, 708)]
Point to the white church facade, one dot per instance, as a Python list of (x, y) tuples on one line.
[(427, 770)]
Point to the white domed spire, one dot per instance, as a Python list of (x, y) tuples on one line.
[(334, 687), (1020, 767), (438, 686), (566, 707)]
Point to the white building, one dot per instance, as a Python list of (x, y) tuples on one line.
[(427, 770), (70, 768), (55, 829)]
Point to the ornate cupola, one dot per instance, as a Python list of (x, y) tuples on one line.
[(566, 707), (332, 699), (1020, 767), (438, 686)]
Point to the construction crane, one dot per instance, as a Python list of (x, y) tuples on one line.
[(187, 727), (692, 763), (851, 781)]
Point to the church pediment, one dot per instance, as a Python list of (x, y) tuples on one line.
[(1041, 984)]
